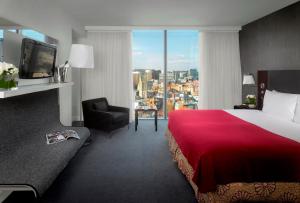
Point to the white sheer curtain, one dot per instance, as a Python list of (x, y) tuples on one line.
[(112, 75), (220, 70)]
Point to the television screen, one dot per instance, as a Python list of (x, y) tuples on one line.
[(37, 59)]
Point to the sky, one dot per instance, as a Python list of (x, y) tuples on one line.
[(148, 49)]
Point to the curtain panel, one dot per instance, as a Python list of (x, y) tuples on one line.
[(220, 70), (112, 75)]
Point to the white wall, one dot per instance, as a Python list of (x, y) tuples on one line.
[(46, 17)]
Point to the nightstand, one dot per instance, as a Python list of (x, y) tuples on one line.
[(243, 106)]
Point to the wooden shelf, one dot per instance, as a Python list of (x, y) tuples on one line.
[(31, 89)]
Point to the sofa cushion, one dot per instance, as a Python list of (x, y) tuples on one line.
[(100, 106)]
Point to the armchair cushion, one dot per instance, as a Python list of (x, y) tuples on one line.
[(119, 116), (100, 106), (118, 109)]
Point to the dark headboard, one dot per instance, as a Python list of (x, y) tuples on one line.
[(281, 80)]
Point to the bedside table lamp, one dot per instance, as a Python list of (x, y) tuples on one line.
[(248, 80), (81, 56)]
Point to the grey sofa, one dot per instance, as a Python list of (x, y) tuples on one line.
[(26, 159)]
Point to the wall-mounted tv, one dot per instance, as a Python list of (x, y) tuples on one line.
[(37, 59)]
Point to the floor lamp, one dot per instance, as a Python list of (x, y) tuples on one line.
[(81, 56)]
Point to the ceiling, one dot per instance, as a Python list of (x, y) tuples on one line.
[(170, 12)]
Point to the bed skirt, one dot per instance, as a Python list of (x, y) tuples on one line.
[(236, 192)]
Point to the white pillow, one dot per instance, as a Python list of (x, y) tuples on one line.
[(280, 104), (297, 111)]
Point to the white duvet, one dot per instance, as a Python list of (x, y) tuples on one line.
[(282, 127)]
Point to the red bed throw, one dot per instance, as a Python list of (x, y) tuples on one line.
[(224, 149)]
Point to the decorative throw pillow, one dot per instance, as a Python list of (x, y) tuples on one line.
[(100, 106), (280, 104)]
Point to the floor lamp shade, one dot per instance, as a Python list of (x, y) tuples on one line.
[(81, 56)]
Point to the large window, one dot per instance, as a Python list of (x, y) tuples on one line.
[(165, 70), (148, 60), (182, 68)]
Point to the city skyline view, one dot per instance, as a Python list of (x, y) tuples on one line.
[(178, 87)]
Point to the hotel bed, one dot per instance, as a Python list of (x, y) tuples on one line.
[(239, 155)]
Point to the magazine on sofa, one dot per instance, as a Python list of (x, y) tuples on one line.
[(59, 136)]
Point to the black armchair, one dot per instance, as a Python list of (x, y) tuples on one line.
[(97, 113)]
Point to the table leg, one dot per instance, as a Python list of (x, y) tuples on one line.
[(136, 120), (155, 120)]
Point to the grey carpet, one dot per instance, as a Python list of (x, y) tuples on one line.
[(124, 166)]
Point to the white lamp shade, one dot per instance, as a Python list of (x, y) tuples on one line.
[(248, 80), (81, 56)]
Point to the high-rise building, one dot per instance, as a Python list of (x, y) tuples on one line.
[(150, 84), (140, 87), (169, 77), (148, 74), (183, 74), (155, 74), (136, 78), (194, 74)]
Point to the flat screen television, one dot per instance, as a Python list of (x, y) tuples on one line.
[(37, 59)]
